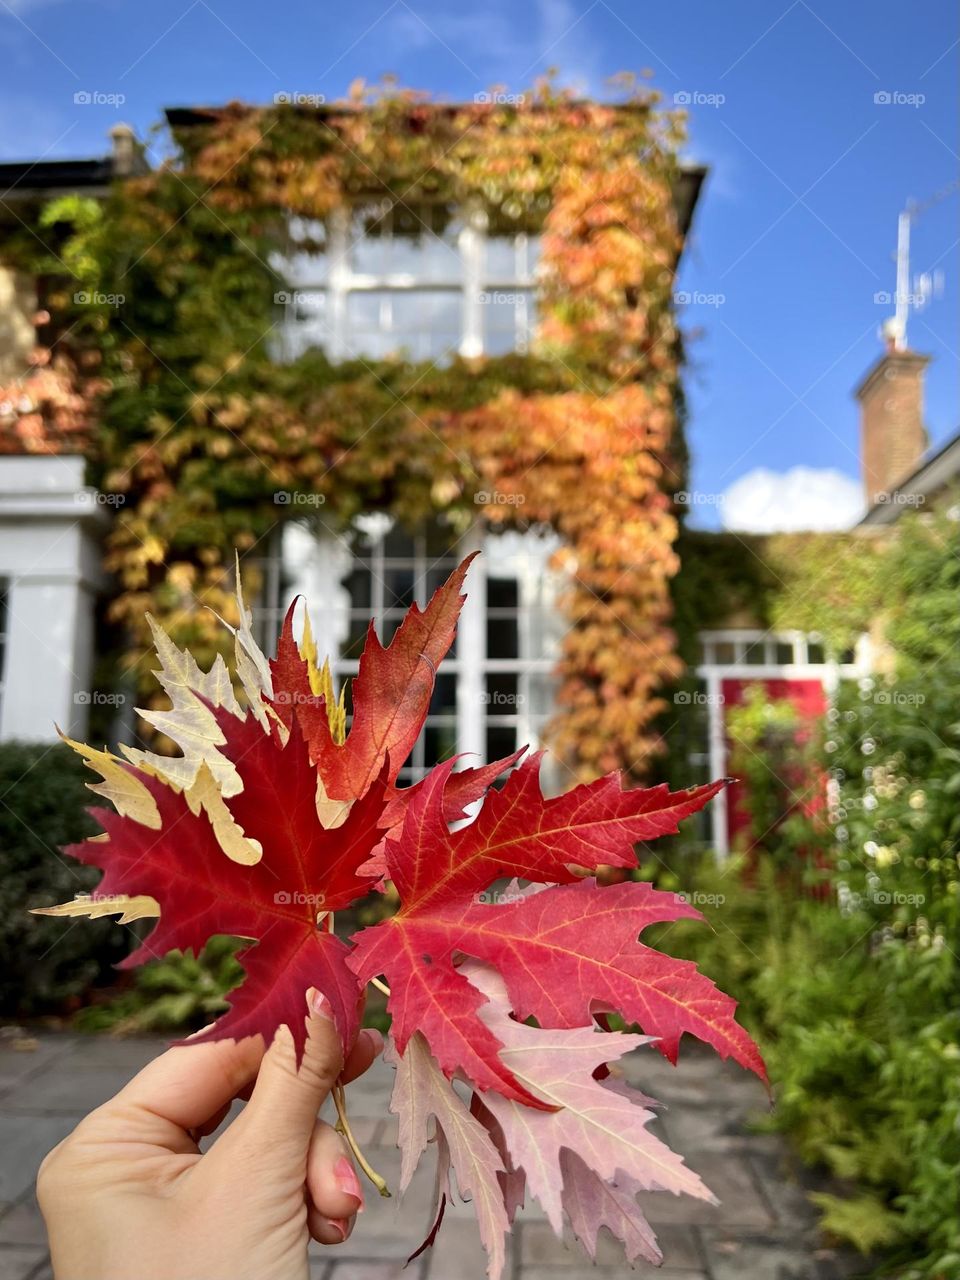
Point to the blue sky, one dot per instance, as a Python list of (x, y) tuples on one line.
[(797, 225)]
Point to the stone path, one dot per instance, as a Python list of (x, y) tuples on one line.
[(763, 1228)]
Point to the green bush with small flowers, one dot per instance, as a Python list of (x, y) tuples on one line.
[(840, 935)]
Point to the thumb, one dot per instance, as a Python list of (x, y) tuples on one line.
[(286, 1098)]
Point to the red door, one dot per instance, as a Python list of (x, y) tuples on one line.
[(806, 696)]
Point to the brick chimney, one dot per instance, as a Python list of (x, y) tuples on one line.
[(893, 438)]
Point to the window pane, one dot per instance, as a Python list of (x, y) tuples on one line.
[(501, 741), (725, 653), (429, 322), (508, 320), (784, 652), (440, 741), (426, 243), (358, 588), (399, 543), (398, 587), (501, 258), (755, 654), (305, 261), (368, 239), (502, 694), (353, 645), (815, 652), (387, 626), (444, 696), (422, 323)]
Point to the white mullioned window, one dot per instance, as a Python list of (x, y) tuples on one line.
[(494, 692), (392, 278)]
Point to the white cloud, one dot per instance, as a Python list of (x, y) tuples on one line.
[(765, 501)]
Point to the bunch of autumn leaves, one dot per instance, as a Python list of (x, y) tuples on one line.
[(273, 817)]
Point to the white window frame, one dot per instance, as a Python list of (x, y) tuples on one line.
[(474, 286), (713, 672), (469, 664)]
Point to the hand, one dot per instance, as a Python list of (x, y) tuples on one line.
[(128, 1193)]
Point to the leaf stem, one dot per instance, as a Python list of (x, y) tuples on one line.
[(343, 1126), (381, 986)]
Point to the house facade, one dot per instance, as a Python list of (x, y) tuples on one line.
[(404, 276), (428, 280)]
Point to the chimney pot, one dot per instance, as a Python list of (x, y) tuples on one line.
[(125, 150)]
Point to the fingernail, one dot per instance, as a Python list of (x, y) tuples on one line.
[(346, 1179), (339, 1224), (320, 1006), (376, 1039)]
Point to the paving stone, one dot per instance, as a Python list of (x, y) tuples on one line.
[(73, 1090), (459, 1255), (17, 1065), (23, 1224), (24, 1141), (18, 1263), (763, 1230), (361, 1269), (639, 1272), (126, 1054), (540, 1247), (761, 1257), (783, 1188), (731, 1181)]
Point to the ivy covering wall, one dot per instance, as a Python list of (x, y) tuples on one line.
[(167, 378)]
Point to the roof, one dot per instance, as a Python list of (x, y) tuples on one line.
[(26, 179), (686, 192), (932, 476)]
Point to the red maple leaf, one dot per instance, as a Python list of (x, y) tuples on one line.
[(564, 953), (281, 902), (275, 818)]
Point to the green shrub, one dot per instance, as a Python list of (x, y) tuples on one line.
[(44, 961), (177, 992)]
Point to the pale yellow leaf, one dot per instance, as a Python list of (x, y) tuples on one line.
[(127, 794), (140, 907), (332, 813), (205, 794), (321, 684)]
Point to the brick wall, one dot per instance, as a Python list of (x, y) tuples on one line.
[(893, 438)]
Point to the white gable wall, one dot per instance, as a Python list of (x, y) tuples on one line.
[(50, 529)]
